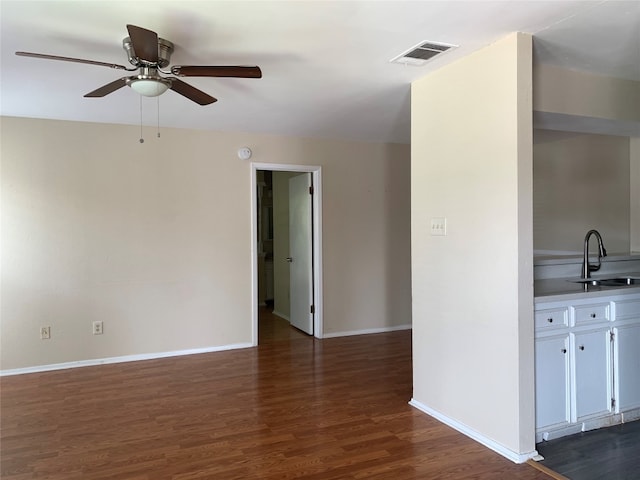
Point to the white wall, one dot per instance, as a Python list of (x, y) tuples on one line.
[(581, 182), (471, 162), (154, 239)]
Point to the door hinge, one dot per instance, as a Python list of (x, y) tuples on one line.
[(311, 190), (613, 403), (312, 309), (612, 336)]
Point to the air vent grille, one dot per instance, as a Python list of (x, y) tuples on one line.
[(422, 52)]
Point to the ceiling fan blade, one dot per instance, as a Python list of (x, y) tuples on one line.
[(192, 93), (216, 71), (145, 43), (108, 88), (71, 59)]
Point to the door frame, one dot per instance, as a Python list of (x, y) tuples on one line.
[(316, 175)]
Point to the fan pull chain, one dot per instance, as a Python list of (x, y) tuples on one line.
[(158, 97), (141, 139)]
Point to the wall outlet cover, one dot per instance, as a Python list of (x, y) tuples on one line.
[(97, 328)]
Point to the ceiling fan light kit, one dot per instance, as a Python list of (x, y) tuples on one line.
[(150, 54), (149, 86)]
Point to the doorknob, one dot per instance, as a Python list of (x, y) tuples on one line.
[(289, 259)]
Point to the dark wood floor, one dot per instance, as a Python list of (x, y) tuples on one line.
[(608, 453), (295, 407), (272, 328)]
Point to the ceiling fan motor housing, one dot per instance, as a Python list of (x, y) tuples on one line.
[(165, 49)]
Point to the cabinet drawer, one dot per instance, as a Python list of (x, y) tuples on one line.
[(594, 313), (551, 318), (627, 309)]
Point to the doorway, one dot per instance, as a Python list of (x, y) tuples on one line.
[(258, 222)]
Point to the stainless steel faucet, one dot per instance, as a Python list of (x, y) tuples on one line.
[(587, 268)]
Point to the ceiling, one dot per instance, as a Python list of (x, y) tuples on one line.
[(325, 64)]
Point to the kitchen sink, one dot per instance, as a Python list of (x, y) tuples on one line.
[(609, 282)]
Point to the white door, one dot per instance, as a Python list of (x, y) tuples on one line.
[(592, 373), (627, 375), (300, 253), (552, 381)]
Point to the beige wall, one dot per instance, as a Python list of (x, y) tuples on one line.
[(471, 162), (581, 182), (570, 101), (634, 178), (154, 239), (565, 91)]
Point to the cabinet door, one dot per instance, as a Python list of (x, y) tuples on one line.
[(552, 381), (592, 373), (627, 374)]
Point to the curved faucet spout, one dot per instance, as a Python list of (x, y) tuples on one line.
[(587, 268)]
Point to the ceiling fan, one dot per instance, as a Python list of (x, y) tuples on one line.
[(150, 54)]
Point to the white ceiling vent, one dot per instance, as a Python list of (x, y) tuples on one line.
[(421, 53)]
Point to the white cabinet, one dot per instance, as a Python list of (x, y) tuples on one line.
[(587, 363), (628, 362), (627, 354), (592, 369), (552, 377)]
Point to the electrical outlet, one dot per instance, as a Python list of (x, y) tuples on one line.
[(97, 327), (45, 333), (439, 226)]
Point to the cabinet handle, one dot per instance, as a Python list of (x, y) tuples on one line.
[(581, 347), (593, 315), (550, 320), (563, 350)]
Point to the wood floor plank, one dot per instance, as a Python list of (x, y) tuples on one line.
[(295, 407)]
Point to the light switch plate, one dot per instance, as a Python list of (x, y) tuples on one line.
[(438, 226)]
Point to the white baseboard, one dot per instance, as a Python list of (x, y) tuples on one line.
[(604, 421), (546, 435), (631, 415), (125, 358), (477, 436), (281, 315), (367, 331)]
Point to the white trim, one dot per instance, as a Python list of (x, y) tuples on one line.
[(316, 172), (254, 257), (607, 420), (368, 331), (477, 436), (281, 315), (122, 359)]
